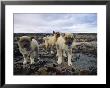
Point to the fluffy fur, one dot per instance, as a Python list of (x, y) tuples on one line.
[(64, 45), (28, 47), (50, 41)]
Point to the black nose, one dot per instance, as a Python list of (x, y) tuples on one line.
[(69, 43), (28, 49), (25, 45)]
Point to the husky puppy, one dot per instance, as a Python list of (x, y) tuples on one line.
[(64, 45), (50, 41), (28, 47)]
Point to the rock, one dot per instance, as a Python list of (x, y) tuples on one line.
[(84, 72), (73, 70), (55, 65), (42, 71)]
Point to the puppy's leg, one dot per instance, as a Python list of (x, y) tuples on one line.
[(59, 57), (57, 53), (69, 57), (32, 60), (46, 48), (37, 54), (25, 56), (57, 50), (52, 49), (32, 56), (64, 53)]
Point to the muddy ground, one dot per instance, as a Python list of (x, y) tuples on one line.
[(84, 58)]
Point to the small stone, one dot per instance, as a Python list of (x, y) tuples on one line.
[(84, 72)]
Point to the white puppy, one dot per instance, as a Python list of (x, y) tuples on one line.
[(50, 41), (28, 47), (64, 45)]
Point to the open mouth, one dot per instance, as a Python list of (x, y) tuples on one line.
[(69, 44), (27, 48)]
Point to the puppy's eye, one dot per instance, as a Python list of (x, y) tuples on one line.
[(72, 38), (66, 38)]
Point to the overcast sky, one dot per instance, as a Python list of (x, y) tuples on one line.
[(46, 23)]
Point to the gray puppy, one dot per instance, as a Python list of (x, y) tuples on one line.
[(28, 47)]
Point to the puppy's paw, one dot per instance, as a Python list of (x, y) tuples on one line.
[(64, 54), (52, 52), (32, 61), (69, 63), (59, 61), (24, 62)]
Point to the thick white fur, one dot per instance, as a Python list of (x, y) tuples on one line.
[(50, 42), (31, 54), (35, 48), (62, 48)]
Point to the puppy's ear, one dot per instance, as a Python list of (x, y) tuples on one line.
[(18, 38), (44, 38), (32, 37), (58, 34), (53, 32), (63, 34), (74, 36)]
